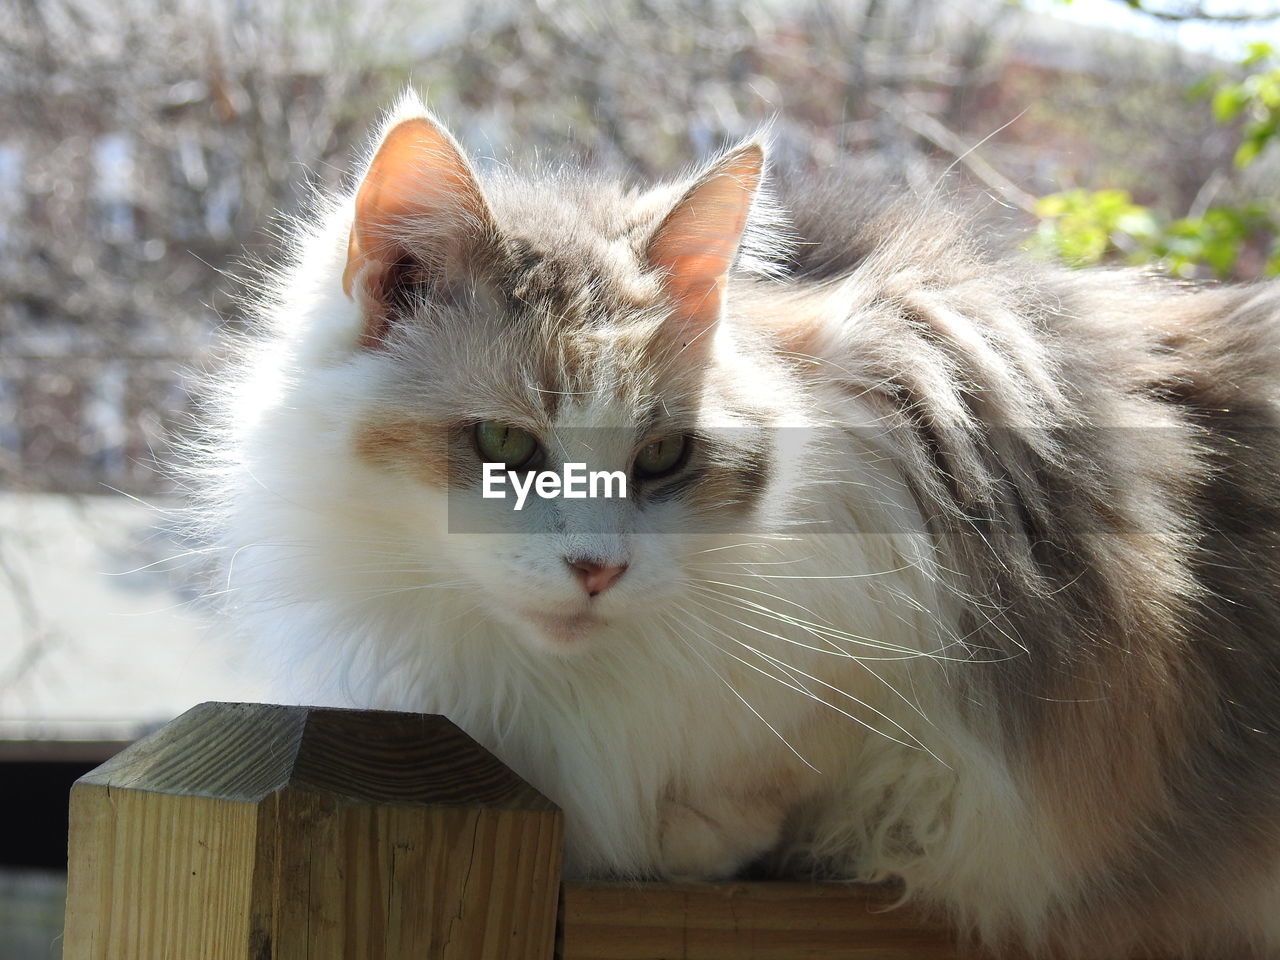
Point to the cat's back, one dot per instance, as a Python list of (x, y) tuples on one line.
[(854, 211), (1099, 452)]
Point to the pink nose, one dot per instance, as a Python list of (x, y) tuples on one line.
[(594, 577)]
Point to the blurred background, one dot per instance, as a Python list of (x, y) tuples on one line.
[(147, 146)]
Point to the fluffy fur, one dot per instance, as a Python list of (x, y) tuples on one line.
[(974, 584)]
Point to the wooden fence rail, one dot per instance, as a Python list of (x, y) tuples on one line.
[(260, 832)]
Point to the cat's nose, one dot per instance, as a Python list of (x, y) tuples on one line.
[(595, 578)]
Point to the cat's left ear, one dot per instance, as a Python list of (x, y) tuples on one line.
[(696, 244), (417, 207)]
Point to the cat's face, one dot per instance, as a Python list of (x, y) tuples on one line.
[(532, 332), (486, 382)]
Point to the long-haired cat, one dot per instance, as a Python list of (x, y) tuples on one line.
[(933, 564)]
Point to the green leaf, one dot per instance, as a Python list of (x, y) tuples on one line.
[(1257, 52), (1082, 227), (1054, 205), (1139, 222), (1204, 87), (1228, 102), (1247, 152)]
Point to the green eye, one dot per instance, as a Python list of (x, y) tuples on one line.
[(499, 442), (661, 456)]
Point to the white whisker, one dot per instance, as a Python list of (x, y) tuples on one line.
[(750, 606), (743, 699), (915, 744)]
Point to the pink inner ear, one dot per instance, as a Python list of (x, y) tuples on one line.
[(696, 245), (418, 180)]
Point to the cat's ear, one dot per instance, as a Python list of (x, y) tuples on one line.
[(417, 207), (695, 245)]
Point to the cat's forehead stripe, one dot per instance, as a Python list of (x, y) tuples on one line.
[(570, 288), (575, 244)]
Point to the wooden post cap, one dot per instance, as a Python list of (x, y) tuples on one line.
[(245, 831)]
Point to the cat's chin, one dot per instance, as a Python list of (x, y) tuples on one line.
[(561, 633)]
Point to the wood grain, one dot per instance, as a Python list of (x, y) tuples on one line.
[(746, 921), (258, 832)]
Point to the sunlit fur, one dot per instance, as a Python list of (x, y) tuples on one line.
[(985, 601)]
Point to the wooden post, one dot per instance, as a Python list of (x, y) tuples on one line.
[(258, 832), (750, 921)]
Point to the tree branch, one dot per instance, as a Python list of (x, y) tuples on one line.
[(1199, 13), (940, 136)]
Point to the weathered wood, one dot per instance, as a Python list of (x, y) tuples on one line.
[(745, 921), (257, 832)]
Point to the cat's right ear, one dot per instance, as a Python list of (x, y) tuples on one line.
[(417, 207), (695, 246)]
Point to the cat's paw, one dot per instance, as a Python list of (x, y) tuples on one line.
[(712, 845)]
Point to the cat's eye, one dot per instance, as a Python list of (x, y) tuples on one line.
[(660, 457), (499, 442)]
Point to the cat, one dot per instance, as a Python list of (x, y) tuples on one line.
[(936, 564)]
